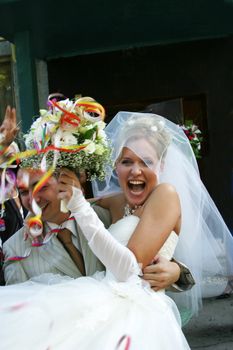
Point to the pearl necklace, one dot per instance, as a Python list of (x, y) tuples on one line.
[(130, 211)]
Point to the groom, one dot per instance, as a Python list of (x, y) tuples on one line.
[(76, 260)]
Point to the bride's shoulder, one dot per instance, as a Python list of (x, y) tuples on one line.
[(164, 193), (164, 188)]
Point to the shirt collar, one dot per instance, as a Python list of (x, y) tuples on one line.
[(69, 224)]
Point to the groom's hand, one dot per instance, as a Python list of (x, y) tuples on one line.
[(66, 181), (161, 274)]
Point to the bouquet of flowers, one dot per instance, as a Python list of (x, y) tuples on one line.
[(69, 134), (194, 135)]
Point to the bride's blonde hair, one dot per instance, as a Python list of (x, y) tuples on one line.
[(151, 129)]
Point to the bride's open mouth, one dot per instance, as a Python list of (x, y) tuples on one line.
[(136, 186)]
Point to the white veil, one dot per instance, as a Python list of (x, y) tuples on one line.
[(205, 243)]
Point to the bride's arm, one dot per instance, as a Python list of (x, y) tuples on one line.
[(160, 216), (119, 259), (114, 256)]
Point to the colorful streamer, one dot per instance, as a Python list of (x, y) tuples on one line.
[(67, 127), (125, 338)]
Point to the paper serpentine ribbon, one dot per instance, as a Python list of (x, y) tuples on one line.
[(124, 339), (47, 238), (81, 106)]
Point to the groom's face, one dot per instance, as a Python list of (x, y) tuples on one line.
[(22, 185), (46, 197)]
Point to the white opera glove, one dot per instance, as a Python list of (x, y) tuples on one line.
[(117, 258)]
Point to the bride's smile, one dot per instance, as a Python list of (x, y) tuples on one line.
[(136, 173)]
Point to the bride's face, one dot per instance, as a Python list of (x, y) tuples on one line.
[(137, 174)]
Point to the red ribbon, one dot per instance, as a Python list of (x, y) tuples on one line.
[(68, 116), (37, 244), (128, 342)]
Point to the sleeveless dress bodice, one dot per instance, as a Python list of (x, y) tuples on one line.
[(123, 229)]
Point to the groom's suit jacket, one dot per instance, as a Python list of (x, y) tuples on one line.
[(49, 258)]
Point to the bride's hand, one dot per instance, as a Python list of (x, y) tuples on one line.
[(161, 274)]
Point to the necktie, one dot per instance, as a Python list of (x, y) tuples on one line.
[(64, 237)]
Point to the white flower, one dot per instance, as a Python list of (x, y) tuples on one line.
[(41, 134), (84, 129), (101, 125), (54, 117), (36, 123), (99, 149), (67, 139), (66, 104), (28, 140), (50, 128), (90, 148), (90, 126), (43, 112), (69, 127), (102, 135)]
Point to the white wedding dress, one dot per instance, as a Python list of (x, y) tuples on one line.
[(99, 313)]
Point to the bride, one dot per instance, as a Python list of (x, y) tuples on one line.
[(118, 310)]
